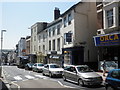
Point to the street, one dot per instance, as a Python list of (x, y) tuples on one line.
[(23, 79)]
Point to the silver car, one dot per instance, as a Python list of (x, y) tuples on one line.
[(38, 67), (52, 70), (82, 75)]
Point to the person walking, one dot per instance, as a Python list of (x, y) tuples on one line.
[(104, 67)]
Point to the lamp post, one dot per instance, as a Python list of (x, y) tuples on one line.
[(1, 52)]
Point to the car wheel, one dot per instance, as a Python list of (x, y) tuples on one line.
[(80, 82), (64, 78), (109, 88), (50, 74), (43, 74)]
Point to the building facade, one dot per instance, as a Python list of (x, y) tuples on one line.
[(28, 43), (22, 47), (108, 38)]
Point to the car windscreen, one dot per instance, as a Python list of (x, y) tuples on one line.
[(84, 69), (40, 64), (54, 66)]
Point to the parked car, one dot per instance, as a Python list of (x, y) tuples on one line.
[(112, 81), (52, 70), (82, 75), (38, 67), (28, 66)]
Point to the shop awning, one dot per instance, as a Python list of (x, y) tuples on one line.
[(112, 39)]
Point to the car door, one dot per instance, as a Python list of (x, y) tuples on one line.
[(34, 67), (44, 69), (73, 74)]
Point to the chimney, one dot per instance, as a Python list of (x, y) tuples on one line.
[(56, 13)]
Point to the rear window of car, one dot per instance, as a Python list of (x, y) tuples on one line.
[(54, 66), (84, 69), (115, 74), (40, 64)]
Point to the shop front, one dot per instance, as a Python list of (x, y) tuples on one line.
[(73, 55), (109, 50)]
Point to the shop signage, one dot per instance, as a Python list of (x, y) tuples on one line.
[(107, 40), (68, 37)]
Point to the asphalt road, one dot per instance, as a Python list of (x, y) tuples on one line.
[(21, 78)]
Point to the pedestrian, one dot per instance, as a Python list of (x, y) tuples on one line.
[(104, 67)]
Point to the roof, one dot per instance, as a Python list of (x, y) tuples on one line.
[(54, 22), (71, 8)]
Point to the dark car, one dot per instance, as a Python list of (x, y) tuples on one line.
[(112, 81), (28, 66), (82, 75)]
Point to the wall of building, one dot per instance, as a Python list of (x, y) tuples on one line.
[(85, 29)]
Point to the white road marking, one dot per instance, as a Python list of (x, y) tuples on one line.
[(29, 77), (40, 76), (17, 78)]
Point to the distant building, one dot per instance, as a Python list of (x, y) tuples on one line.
[(22, 47), (28, 43)]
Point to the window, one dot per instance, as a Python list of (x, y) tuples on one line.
[(34, 38), (69, 19), (39, 38), (65, 22), (49, 32), (43, 48), (58, 44), (58, 29), (116, 74), (43, 37), (39, 49), (53, 44), (110, 18), (119, 16), (34, 48), (49, 45), (64, 38), (53, 31)]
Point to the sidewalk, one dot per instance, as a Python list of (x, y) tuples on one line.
[(3, 85), (101, 74)]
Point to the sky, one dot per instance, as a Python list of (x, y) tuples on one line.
[(17, 17)]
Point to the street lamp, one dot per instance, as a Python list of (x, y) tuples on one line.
[(1, 52)]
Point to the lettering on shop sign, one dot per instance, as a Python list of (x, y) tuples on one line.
[(109, 37), (107, 40)]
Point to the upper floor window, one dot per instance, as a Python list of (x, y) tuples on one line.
[(58, 29), (43, 37), (65, 39), (58, 44), (65, 22), (53, 44), (110, 18), (39, 38), (69, 19), (119, 16), (49, 32), (43, 48), (34, 38), (53, 31), (49, 45)]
